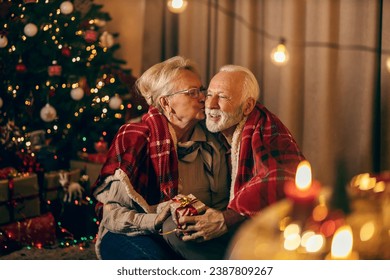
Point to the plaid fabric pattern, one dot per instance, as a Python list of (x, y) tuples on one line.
[(145, 152), (268, 157)]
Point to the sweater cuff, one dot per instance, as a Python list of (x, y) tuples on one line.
[(232, 218), (147, 222)]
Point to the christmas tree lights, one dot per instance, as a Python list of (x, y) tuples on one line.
[(58, 73)]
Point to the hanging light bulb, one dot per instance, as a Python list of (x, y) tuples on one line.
[(388, 63), (279, 54), (177, 6)]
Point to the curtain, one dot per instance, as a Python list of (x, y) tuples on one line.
[(333, 94)]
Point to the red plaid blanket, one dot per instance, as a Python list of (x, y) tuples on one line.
[(268, 158), (145, 152)]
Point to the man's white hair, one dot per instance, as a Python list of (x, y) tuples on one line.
[(251, 86)]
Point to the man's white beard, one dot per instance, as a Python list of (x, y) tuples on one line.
[(226, 120)]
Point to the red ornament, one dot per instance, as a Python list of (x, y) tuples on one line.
[(101, 146), (83, 83), (52, 92), (65, 52), (30, 1), (54, 70), (21, 68), (108, 78), (90, 36)]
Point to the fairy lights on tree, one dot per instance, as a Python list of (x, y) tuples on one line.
[(58, 73)]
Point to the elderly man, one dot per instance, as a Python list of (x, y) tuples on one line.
[(263, 156)]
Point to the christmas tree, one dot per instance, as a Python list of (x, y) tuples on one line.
[(61, 88)]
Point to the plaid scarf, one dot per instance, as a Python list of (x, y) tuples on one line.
[(145, 152), (264, 157)]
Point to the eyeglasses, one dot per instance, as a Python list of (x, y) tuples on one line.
[(191, 92)]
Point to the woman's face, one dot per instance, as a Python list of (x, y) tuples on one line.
[(186, 110)]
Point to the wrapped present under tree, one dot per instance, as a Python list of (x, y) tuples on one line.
[(19, 197), (38, 231)]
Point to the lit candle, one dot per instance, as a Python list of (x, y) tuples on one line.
[(304, 190), (342, 244)]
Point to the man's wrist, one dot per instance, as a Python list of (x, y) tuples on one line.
[(232, 218)]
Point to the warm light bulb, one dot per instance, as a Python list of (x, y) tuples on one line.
[(279, 54), (303, 176), (388, 63), (177, 6)]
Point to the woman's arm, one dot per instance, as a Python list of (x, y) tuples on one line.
[(120, 212)]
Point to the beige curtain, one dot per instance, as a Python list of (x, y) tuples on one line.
[(326, 93)]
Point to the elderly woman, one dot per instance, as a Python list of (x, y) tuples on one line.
[(167, 153)]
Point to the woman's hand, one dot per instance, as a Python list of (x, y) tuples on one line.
[(162, 215)]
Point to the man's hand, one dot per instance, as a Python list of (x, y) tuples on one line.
[(204, 227)]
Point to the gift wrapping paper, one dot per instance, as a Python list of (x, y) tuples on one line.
[(185, 205), (38, 231), (19, 198)]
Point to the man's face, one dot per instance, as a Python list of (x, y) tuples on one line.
[(224, 107)]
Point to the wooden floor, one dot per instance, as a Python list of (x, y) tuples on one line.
[(54, 252)]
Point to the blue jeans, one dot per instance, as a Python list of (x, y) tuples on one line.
[(116, 246), (214, 249)]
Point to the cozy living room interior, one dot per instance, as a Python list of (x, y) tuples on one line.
[(67, 73)]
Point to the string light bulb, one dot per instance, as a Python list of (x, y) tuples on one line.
[(177, 6), (279, 55), (388, 64)]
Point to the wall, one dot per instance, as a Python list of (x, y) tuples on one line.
[(127, 20)]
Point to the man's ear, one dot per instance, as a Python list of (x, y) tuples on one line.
[(164, 104), (249, 105)]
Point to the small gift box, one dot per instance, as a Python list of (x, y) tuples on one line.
[(186, 205), (19, 198), (38, 231)]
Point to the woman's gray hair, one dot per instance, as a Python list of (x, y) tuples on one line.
[(251, 87), (159, 79)]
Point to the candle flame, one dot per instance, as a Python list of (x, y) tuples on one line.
[(303, 175), (342, 243)]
